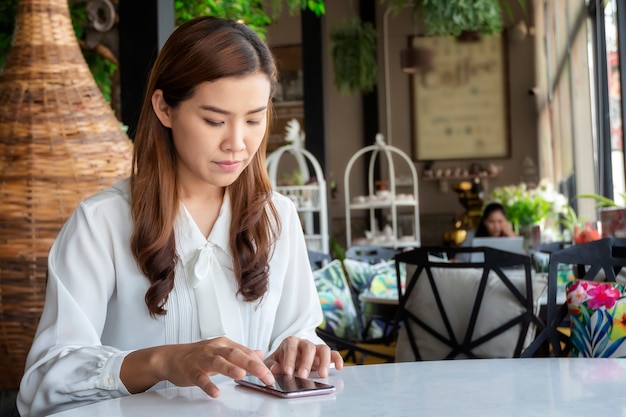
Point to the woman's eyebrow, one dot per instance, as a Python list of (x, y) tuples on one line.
[(214, 109)]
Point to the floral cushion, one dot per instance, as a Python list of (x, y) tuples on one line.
[(597, 313), (379, 279), (340, 314)]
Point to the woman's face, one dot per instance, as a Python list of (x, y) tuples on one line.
[(218, 130), (495, 223)]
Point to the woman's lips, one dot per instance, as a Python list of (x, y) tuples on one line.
[(229, 166)]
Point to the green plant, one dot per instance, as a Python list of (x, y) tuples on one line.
[(602, 201), (354, 56), (101, 68), (338, 251), (526, 206), (252, 12), (8, 10), (452, 17), (316, 6)]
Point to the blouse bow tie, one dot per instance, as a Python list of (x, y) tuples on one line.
[(203, 270), (200, 264)]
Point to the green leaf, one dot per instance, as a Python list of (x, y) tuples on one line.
[(601, 201), (451, 17), (354, 56)]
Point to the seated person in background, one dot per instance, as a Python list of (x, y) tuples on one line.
[(494, 222)]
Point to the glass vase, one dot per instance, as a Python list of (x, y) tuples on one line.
[(531, 234)]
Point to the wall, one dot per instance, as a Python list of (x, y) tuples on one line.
[(343, 114)]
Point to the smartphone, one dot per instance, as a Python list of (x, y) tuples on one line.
[(288, 386)]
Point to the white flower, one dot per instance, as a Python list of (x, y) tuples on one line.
[(526, 206)]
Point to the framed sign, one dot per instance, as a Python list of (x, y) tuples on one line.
[(288, 100), (460, 106)]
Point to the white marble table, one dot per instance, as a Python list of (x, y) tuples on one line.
[(473, 388)]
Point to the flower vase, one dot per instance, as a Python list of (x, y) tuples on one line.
[(531, 234)]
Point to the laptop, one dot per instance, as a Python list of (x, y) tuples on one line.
[(513, 244)]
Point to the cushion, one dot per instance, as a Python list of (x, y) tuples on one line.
[(378, 279), (597, 312), (457, 288), (340, 314)]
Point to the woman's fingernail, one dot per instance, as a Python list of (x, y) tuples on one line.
[(304, 373), (271, 379), (288, 370), (322, 371)]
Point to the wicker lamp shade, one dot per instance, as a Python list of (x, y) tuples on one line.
[(59, 143)]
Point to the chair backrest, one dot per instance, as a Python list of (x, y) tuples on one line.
[(541, 254), (458, 309), (550, 247), (598, 261), (371, 254), (318, 259)]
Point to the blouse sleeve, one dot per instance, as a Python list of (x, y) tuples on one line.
[(299, 312), (67, 362)]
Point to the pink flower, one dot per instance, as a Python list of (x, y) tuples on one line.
[(602, 295), (577, 293)]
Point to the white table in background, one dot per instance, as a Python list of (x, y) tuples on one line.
[(473, 388)]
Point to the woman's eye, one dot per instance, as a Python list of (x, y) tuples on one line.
[(255, 122), (213, 122)]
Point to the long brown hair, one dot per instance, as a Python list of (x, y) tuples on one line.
[(201, 50)]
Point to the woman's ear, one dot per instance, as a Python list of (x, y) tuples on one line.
[(161, 108)]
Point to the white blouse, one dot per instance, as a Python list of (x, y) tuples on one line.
[(95, 313)]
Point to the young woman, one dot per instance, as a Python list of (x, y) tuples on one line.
[(192, 267), (494, 222)]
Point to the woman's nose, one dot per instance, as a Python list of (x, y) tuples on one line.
[(235, 140)]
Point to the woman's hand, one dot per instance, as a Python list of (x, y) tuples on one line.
[(507, 229), (300, 356), (193, 364)]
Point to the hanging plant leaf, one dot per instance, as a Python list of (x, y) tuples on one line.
[(354, 56), (452, 17)]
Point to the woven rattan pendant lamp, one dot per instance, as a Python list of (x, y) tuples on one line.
[(59, 142)]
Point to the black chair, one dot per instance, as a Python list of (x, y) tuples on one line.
[(371, 254), (432, 319), (358, 352), (318, 259), (599, 260), (552, 246)]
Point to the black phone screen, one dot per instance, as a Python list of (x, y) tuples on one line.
[(288, 386)]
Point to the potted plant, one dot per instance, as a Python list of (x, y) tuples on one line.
[(612, 214), (455, 17), (354, 42), (527, 206), (578, 228), (459, 17), (354, 56), (531, 211)]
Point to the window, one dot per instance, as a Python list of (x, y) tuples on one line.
[(614, 97)]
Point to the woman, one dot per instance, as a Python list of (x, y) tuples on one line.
[(193, 267), (494, 222)]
